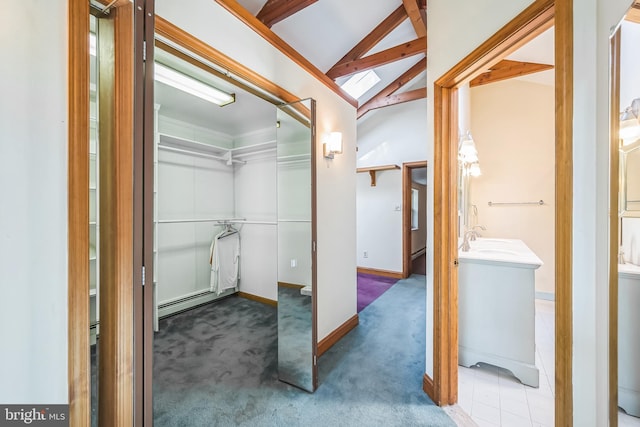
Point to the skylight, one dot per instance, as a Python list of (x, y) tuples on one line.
[(360, 83)]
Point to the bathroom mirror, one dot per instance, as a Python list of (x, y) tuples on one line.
[(630, 180), (295, 148)]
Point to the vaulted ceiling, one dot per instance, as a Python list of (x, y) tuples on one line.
[(342, 38)]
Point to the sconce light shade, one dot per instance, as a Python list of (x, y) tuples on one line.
[(332, 144), (467, 151), (474, 169), (629, 124), (194, 87)]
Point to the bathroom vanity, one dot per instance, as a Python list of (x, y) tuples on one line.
[(628, 338), (496, 297)]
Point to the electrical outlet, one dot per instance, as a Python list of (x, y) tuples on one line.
[(294, 263), (365, 254)]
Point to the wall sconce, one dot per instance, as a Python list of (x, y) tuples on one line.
[(467, 151), (332, 144), (474, 169), (629, 124)]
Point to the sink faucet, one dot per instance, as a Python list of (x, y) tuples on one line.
[(477, 234), (470, 235)]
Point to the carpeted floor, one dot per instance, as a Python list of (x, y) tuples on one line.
[(216, 366), (370, 287)]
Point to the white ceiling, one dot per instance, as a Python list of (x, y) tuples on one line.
[(323, 33)]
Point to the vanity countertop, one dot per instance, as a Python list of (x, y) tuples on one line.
[(500, 251), (630, 271)]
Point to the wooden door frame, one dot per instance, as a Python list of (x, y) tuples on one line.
[(116, 368), (406, 214), (614, 219), (542, 14)]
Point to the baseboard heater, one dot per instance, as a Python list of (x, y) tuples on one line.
[(418, 253), (189, 301)]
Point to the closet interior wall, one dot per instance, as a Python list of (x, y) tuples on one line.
[(198, 188)]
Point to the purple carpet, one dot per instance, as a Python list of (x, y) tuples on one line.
[(370, 287)]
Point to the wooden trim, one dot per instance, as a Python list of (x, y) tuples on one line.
[(406, 214), (405, 50), (564, 214), (275, 11), (395, 99), (614, 222), (257, 298), (390, 23), (531, 22), (383, 273), (252, 22), (507, 69), (427, 385), (290, 285), (78, 205), (337, 334), (116, 218), (380, 99), (633, 15), (181, 38), (413, 11)]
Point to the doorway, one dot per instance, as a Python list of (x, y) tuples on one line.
[(414, 218), (533, 20)]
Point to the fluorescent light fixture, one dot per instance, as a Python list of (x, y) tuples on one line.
[(360, 83), (194, 87), (332, 144)]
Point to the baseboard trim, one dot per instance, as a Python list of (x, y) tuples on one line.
[(427, 386), (257, 298), (547, 296), (385, 273), (335, 336), (290, 285)]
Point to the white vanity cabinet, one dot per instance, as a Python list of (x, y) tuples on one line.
[(496, 298)]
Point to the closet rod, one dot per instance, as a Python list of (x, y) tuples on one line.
[(177, 221), (294, 220), (259, 144)]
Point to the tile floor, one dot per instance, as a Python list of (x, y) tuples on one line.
[(493, 397)]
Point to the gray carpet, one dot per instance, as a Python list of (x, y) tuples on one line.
[(216, 366)]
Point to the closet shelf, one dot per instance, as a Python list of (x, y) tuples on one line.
[(373, 169), (226, 154)]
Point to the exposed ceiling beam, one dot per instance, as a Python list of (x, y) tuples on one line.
[(634, 13), (275, 11), (405, 78), (374, 37), (507, 69), (399, 98), (413, 11), (387, 56)]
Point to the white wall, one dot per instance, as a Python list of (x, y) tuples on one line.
[(390, 135), (336, 178), (33, 213), (393, 135), (513, 126), (379, 211)]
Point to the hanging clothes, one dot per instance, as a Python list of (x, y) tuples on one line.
[(224, 257)]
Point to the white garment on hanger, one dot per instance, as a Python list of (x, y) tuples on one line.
[(225, 262)]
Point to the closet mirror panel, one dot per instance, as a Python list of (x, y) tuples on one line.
[(296, 287)]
